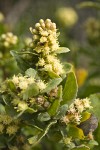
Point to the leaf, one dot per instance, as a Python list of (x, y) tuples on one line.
[(62, 50), (51, 85), (36, 139), (53, 74), (59, 94), (11, 86), (70, 89), (31, 91), (75, 132), (82, 147), (54, 107), (44, 117), (95, 102), (85, 115), (31, 110), (23, 65), (2, 109), (30, 72), (67, 67), (61, 111)]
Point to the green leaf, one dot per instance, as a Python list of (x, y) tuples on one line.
[(67, 67), (54, 107), (36, 139), (62, 50), (59, 94), (95, 102), (2, 109), (31, 110), (75, 132), (51, 85), (30, 72), (31, 91), (53, 74), (23, 65), (85, 115), (70, 89), (61, 111), (11, 86), (82, 147), (44, 117)]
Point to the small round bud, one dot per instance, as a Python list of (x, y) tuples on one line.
[(53, 26), (37, 25), (48, 25), (31, 29), (35, 37), (41, 21), (43, 25), (34, 31), (48, 21)]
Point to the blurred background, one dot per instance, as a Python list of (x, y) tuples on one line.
[(79, 25)]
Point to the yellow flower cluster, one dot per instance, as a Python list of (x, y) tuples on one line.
[(7, 122), (8, 40), (23, 82), (51, 63), (92, 27), (67, 16), (45, 37), (74, 113)]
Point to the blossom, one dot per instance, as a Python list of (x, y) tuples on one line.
[(45, 37), (8, 40), (12, 129)]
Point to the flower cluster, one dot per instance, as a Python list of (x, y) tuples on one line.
[(23, 82), (45, 37), (8, 124), (45, 43), (8, 40), (92, 27), (51, 63), (66, 16), (74, 113)]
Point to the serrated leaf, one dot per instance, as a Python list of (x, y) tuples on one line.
[(82, 147), (95, 102), (44, 117), (51, 85), (31, 91), (70, 89), (30, 72), (75, 132), (54, 107), (62, 50), (61, 111)]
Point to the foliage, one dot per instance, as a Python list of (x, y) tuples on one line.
[(41, 100)]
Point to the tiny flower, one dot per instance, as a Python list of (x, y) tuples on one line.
[(41, 84), (12, 129), (41, 62), (1, 128), (7, 119), (22, 106)]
